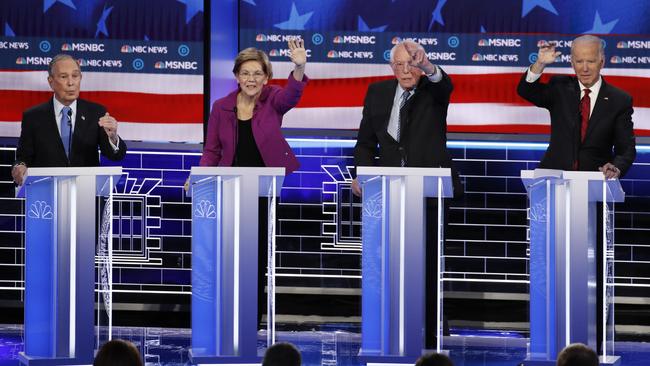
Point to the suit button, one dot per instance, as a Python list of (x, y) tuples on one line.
[(401, 148)]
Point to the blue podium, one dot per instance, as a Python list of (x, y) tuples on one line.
[(60, 241), (393, 260), (563, 219), (224, 261)]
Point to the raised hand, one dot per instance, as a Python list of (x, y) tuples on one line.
[(298, 53), (110, 126), (545, 56), (419, 57)]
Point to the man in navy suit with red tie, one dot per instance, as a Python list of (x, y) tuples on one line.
[(591, 120), (66, 130)]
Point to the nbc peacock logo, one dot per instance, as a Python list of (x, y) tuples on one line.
[(396, 40), (21, 61), (332, 54), (159, 65), (615, 60), (483, 42), (126, 49), (260, 38), (477, 57), (66, 47), (622, 44), (338, 39), (274, 53)]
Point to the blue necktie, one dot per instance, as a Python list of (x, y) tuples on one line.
[(66, 128)]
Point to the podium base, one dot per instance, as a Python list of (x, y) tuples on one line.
[(386, 360), (224, 360), (23, 359), (602, 361)]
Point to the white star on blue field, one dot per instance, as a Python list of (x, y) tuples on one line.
[(101, 23), (599, 27), (363, 27), (48, 4), (295, 21), (528, 5), (436, 16), (192, 7)]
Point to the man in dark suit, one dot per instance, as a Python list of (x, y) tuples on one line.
[(590, 130), (591, 122), (66, 130), (404, 123)]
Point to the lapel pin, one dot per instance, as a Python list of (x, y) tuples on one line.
[(606, 98), (83, 118)]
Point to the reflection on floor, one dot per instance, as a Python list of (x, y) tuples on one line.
[(327, 345)]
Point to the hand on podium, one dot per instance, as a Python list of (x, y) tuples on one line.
[(18, 173), (356, 187), (610, 171)]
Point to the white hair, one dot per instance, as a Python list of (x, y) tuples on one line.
[(401, 44), (588, 38)]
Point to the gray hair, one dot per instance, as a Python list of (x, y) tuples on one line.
[(588, 38), (401, 44), (57, 58)]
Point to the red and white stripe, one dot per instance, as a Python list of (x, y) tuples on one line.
[(160, 107)]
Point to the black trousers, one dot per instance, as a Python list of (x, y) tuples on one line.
[(431, 267)]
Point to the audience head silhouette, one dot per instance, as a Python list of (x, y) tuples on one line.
[(118, 353), (282, 354), (577, 354), (434, 359)]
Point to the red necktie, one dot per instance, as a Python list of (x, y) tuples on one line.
[(585, 108)]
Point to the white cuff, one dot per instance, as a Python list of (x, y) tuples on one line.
[(436, 76), (115, 148), (532, 77)]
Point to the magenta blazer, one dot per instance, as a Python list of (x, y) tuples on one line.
[(272, 104)]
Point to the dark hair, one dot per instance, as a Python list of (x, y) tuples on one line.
[(118, 353), (282, 354), (434, 359), (577, 354), (253, 54), (57, 58)]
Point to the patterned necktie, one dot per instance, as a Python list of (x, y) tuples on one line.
[(585, 108), (402, 102), (65, 129), (405, 96)]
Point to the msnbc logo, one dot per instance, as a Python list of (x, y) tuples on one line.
[(66, 47), (482, 42), (126, 49), (338, 39), (622, 44), (159, 65), (274, 53), (396, 40), (21, 61)]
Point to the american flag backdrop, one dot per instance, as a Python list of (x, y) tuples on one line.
[(143, 60), (485, 46)]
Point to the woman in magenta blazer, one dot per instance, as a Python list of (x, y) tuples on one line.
[(244, 126)]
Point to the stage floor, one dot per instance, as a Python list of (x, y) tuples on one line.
[(327, 345)]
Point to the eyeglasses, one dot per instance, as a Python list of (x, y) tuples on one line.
[(257, 75), (400, 65)]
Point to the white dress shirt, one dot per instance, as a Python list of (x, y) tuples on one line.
[(393, 121), (58, 109)]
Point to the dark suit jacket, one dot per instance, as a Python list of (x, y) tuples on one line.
[(610, 134), (423, 128), (40, 144)]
